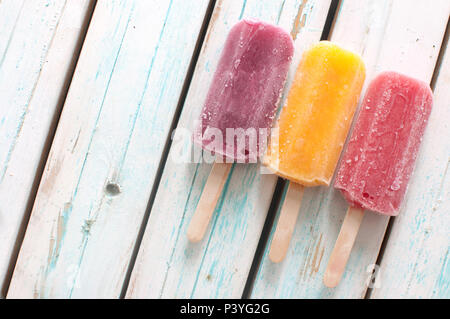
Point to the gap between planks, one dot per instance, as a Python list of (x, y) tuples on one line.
[(143, 277), (168, 143), (47, 145), (282, 184), (381, 235), (116, 37), (390, 225)]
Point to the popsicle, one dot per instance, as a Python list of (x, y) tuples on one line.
[(240, 106), (379, 160), (312, 128)]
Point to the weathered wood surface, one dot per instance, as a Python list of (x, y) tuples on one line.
[(39, 42), (415, 262), (398, 35), (107, 148), (168, 266)]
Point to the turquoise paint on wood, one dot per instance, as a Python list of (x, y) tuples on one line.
[(18, 90), (38, 43), (415, 262), (376, 31), (217, 267), (118, 110), (108, 146)]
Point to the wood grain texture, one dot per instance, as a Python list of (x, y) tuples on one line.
[(343, 247), (208, 201), (286, 222), (168, 266), (415, 262), (39, 41), (107, 149), (399, 35), (101, 168)]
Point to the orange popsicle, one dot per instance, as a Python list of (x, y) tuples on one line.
[(312, 128), (315, 121)]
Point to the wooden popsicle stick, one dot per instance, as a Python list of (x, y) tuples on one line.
[(343, 247), (286, 222), (208, 200)]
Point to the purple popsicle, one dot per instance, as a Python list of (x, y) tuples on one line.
[(240, 106), (244, 94)]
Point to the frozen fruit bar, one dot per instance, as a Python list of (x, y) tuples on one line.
[(380, 156), (315, 121), (245, 91)]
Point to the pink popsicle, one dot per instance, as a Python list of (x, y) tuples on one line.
[(380, 156), (245, 90), (379, 160), (240, 106)]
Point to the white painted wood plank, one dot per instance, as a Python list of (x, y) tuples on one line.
[(397, 35), (38, 41), (100, 172), (168, 266), (415, 261)]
